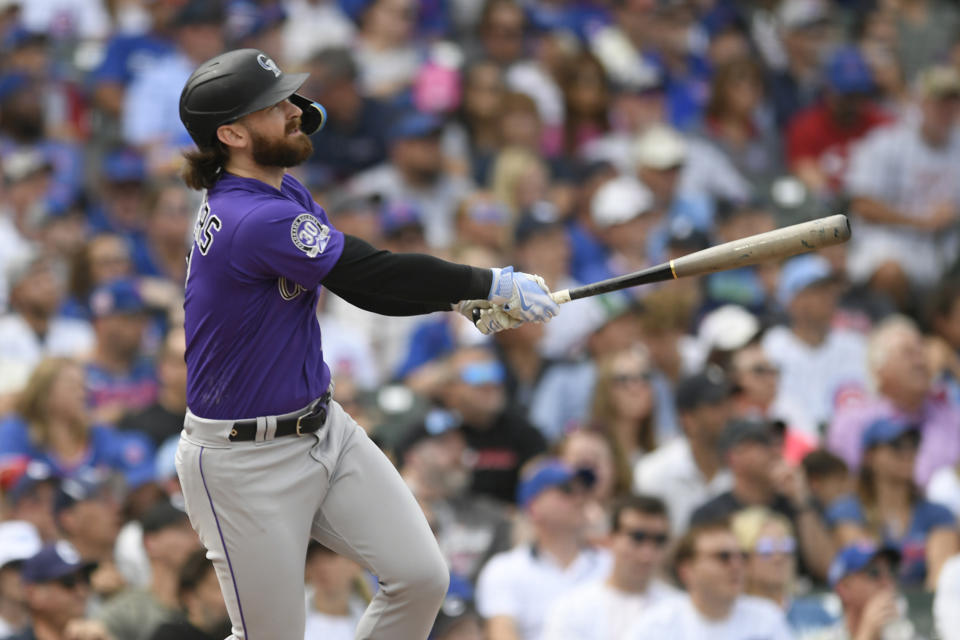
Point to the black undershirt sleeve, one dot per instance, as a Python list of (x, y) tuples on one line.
[(402, 284)]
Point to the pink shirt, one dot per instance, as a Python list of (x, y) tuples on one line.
[(939, 421)]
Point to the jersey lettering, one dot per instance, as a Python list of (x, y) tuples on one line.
[(203, 232)]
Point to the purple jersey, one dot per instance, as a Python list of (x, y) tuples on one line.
[(253, 279)]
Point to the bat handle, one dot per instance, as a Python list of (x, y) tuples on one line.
[(559, 297)]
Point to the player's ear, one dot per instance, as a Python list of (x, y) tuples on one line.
[(232, 135)]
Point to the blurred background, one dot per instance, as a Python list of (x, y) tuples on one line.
[(774, 448)]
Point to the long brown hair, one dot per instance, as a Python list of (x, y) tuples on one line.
[(866, 493), (603, 414), (726, 75), (204, 165), (33, 401)]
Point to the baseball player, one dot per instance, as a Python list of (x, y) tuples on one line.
[(267, 457)]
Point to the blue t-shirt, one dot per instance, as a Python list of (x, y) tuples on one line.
[(253, 279), (926, 517), (128, 55), (135, 388), (128, 452)]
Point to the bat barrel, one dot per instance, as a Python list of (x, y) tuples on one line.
[(772, 245)]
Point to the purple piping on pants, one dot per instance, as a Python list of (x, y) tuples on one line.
[(233, 578)]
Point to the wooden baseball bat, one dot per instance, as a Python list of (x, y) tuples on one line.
[(772, 245)]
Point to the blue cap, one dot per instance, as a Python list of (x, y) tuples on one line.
[(396, 216), (10, 83), (799, 273), (87, 485), (848, 72), (884, 430), (855, 557), (116, 297), (34, 474), (246, 19), (549, 474), (486, 372), (52, 562), (415, 125), (124, 165)]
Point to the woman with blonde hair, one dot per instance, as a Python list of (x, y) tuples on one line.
[(770, 547), (51, 424)]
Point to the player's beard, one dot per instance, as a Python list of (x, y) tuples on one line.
[(288, 151)]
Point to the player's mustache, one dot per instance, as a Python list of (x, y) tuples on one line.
[(293, 125)]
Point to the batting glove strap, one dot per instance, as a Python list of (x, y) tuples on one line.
[(502, 287)]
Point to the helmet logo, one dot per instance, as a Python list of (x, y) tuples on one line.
[(269, 65)]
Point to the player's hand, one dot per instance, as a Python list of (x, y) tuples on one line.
[(486, 316), (522, 296)]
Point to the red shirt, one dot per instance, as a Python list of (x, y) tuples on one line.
[(814, 134)]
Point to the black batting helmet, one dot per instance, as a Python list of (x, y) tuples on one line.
[(236, 83)]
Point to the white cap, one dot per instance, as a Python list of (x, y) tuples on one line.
[(620, 200), (797, 14), (727, 328), (659, 147), (19, 540)]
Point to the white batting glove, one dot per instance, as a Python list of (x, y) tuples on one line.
[(492, 318), (523, 296)]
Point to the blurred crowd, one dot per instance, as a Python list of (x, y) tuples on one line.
[(768, 452)]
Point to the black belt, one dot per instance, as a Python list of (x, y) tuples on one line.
[(307, 421)]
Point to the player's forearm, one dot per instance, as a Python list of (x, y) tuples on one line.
[(405, 277), (387, 306)]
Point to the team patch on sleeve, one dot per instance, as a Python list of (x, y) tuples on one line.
[(309, 234)]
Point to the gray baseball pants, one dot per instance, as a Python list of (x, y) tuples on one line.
[(255, 506)]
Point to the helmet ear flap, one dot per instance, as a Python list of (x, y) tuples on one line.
[(314, 115)]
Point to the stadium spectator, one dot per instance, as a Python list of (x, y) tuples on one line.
[(761, 477), (711, 566), (864, 578), (887, 507), (199, 594), (688, 471), (120, 378), (819, 137), (905, 201), (337, 595), (945, 613), (34, 329), (904, 391), (820, 367), (57, 590), (593, 449), (605, 608), (470, 528), (387, 55), (164, 418), (502, 441), (516, 588), (52, 425), (134, 614), (18, 541)]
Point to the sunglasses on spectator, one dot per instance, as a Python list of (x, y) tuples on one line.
[(71, 581), (769, 546), (623, 379), (907, 442), (657, 538), (725, 557)]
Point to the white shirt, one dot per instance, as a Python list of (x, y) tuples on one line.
[(671, 474), (944, 488), (523, 584), (677, 619), (313, 26), (597, 611), (812, 378), (22, 349), (897, 167), (320, 626), (946, 613), (86, 19)]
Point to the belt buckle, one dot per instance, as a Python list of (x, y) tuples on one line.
[(299, 418)]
